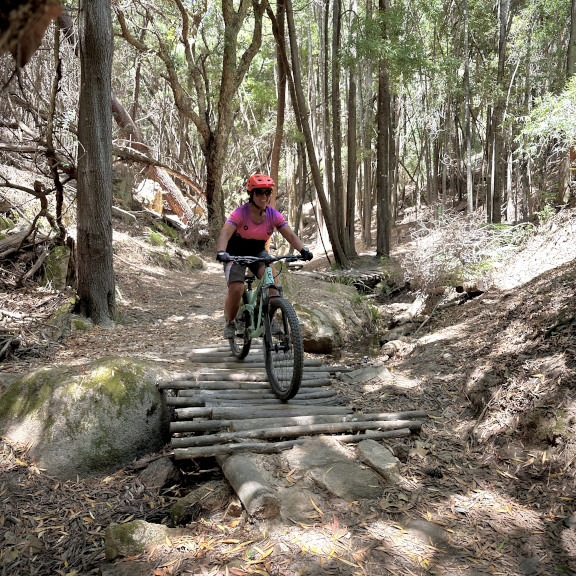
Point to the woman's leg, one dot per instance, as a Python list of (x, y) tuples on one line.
[(233, 299)]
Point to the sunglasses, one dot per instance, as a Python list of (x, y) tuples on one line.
[(262, 191)]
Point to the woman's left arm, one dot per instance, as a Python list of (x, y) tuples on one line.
[(290, 235)]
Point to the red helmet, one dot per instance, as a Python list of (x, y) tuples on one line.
[(259, 181)]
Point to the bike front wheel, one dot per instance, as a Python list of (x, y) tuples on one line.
[(240, 344), (283, 349)]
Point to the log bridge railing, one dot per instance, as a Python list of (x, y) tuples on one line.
[(226, 407)]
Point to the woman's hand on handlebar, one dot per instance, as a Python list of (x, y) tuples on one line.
[(223, 257)]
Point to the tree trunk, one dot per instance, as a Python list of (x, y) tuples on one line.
[(499, 154), (303, 112), (336, 144), (564, 172), (95, 265), (349, 238), (281, 102), (383, 153), (467, 135)]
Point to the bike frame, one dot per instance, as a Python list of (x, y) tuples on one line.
[(263, 286)]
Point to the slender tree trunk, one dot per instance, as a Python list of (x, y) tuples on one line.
[(383, 231), (564, 171), (349, 235), (94, 218), (367, 120), (281, 102), (499, 153), (302, 110), (467, 135), (336, 145)]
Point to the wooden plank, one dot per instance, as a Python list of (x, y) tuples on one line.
[(260, 447), (199, 426), (247, 424), (239, 413), (275, 447), (287, 431), (228, 361), (201, 400), (245, 376), (254, 394), (268, 402), (233, 385)]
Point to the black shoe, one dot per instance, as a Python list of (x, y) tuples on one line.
[(229, 330)]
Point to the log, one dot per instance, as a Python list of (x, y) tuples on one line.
[(228, 361), (276, 447), (267, 403), (233, 385), (200, 400), (226, 376), (233, 413), (222, 449), (200, 426), (248, 424), (124, 214), (253, 394), (355, 438), (257, 497), (279, 432)]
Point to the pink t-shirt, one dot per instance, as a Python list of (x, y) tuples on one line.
[(250, 238)]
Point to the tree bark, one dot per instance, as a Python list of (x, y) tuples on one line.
[(341, 258), (94, 200), (256, 495), (383, 231), (281, 101), (467, 132)]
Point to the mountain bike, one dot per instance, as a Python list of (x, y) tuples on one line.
[(272, 317)]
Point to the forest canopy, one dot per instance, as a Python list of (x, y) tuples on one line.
[(367, 113)]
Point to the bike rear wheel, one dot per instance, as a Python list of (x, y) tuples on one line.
[(284, 349), (240, 344)]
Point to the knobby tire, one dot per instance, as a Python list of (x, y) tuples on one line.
[(240, 344), (283, 353)]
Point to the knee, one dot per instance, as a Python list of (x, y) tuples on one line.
[(236, 289)]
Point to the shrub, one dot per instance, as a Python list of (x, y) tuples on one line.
[(459, 249)]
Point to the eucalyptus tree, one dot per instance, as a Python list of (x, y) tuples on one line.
[(206, 54), (94, 201), (305, 125)]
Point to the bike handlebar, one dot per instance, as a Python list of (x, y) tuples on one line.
[(247, 260)]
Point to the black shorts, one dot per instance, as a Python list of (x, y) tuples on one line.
[(236, 273)]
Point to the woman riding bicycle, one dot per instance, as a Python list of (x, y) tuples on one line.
[(245, 233)]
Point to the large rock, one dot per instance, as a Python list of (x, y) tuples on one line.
[(331, 315), (87, 420), (136, 537)]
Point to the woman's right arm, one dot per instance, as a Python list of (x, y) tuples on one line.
[(225, 235)]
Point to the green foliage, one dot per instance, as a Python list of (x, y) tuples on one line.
[(551, 122), (155, 238), (545, 214)]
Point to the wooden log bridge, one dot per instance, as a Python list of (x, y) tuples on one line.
[(225, 406)]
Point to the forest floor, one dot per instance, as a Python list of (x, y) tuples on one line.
[(493, 466)]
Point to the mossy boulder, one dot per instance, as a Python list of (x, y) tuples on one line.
[(136, 537), (194, 262), (88, 419), (330, 315)]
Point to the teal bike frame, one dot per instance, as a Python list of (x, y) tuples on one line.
[(273, 318), (259, 297)]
